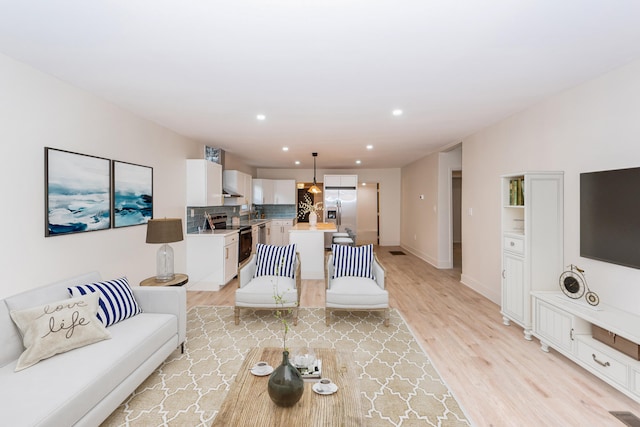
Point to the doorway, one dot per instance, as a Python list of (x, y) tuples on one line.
[(456, 219), (368, 214)]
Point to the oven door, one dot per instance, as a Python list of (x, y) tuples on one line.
[(245, 244)]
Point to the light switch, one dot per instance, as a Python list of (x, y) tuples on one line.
[(470, 211)]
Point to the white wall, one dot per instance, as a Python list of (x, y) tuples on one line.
[(594, 126), (427, 227), (37, 110), (389, 180)]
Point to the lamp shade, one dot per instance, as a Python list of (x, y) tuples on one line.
[(164, 230)]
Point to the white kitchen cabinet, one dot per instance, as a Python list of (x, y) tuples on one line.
[(341, 181), (284, 192), (230, 257), (204, 183), (263, 191), (532, 241), (239, 183), (278, 231), (274, 191), (255, 237), (212, 260)]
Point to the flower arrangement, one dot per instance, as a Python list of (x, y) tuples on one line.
[(307, 207)]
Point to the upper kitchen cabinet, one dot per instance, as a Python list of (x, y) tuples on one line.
[(341, 181), (274, 191), (263, 191), (284, 192), (204, 183), (238, 185)]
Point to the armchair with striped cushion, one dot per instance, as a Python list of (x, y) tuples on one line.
[(355, 281), (271, 271)]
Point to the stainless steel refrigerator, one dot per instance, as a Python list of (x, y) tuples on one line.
[(340, 207)]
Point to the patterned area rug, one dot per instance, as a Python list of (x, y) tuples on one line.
[(399, 386)]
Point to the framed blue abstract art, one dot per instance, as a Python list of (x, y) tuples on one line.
[(77, 192), (132, 194)]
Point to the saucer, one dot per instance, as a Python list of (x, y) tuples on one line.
[(333, 388), (262, 373)]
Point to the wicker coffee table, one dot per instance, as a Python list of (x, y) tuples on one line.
[(248, 401)]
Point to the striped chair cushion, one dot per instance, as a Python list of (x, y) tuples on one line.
[(352, 261), (116, 299), (274, 260)]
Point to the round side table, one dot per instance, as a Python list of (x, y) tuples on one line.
[(179, 280)]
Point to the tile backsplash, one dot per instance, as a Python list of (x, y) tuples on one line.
[(269, 211)]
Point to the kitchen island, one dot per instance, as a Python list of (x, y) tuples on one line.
[(310, 241)]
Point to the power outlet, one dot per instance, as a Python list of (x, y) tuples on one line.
[(193, 213)]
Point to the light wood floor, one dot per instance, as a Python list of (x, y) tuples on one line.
[(498, 377)]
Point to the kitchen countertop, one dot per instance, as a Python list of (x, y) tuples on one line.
[(323, 227), (218, 232)]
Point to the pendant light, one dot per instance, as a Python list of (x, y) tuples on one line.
[(314, 188)]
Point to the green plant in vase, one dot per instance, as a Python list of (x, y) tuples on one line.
[(285, 382)]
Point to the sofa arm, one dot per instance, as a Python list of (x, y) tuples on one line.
[(169, 299)]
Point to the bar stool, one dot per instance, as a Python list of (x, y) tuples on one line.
[(343, 241)]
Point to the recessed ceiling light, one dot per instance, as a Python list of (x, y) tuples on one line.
[(397, 112), (369, 147), (364, 184), (261, 117), (285, 148), (297, 162), (358, 162)]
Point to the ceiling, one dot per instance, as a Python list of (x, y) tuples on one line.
[(326, 74)]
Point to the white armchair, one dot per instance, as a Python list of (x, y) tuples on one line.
[(260, 292), (353, 293)]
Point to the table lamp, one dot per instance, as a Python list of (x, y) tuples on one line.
[(164, 231)]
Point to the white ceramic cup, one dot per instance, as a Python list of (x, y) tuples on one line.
[(261, 367), (324, 385)]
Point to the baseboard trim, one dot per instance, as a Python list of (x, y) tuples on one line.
[(480, 288)]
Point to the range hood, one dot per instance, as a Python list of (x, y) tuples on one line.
[(217, 155), (230, 193)]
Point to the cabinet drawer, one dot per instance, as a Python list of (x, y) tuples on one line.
[(230, 239), (514, 244), (600, 359)]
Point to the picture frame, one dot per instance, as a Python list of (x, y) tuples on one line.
[(77, 192), (132, 194)]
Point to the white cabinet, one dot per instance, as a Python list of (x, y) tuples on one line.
[(239, 183), (263, 191), (284, 192), (212, 260), (274, 191), (255, 237), (204, 183), (565, 325), (532, 241), (230, 257), (341, 181), (278, 231)]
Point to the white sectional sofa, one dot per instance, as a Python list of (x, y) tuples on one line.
[(84, 386)]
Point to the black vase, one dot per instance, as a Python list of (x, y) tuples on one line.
[(285, 383)]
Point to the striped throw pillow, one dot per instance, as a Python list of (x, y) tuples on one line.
[(116, 299), (274, 260), (352, 261)]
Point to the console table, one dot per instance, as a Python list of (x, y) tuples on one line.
[(248, 402), (565, 325)]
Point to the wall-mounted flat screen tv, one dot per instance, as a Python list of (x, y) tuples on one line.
[(610, 216)]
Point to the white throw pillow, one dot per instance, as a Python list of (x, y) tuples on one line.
[(58, 327)]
